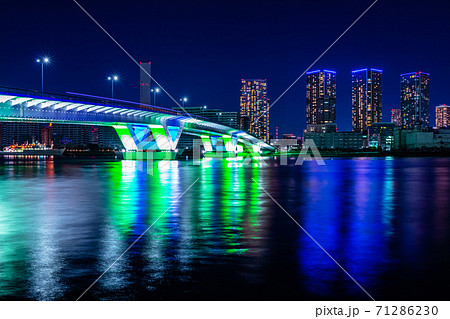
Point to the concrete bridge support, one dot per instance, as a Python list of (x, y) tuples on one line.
[(139, 139)]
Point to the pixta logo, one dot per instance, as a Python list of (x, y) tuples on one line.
[(149, 161), (309, 148)]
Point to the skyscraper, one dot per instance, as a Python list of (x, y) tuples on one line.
[(366, 98), (443, 116), (396, 117), (254, 114), (415, 99), (145, 82), (320, 97)]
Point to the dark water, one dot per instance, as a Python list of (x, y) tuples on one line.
[(385, 221)]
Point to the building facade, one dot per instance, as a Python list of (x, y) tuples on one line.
[(321, 128), (70, 135), (21, 133), (443, 116), (396, 117), (145, 83), (366, 98), (381, 135), (254, 108), (320, 97), (336, 140), (415, 99), (230, 119)]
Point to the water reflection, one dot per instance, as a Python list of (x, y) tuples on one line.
[(62, 225)]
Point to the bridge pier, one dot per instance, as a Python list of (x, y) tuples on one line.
[(148, 142), (219, 145)]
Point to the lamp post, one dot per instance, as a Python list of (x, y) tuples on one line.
[(183, 100), (42, 61), (112, 79), (154, 96), (155, 91)]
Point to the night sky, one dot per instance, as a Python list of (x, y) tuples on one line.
[(202, 49)]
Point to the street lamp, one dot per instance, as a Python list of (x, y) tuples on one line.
[(154, 97), (183, 100), (155, 91), (112, 79), (42, 61)]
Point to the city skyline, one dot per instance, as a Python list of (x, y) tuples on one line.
[(191, 68)]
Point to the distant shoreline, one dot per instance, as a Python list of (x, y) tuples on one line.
[(373, 154)]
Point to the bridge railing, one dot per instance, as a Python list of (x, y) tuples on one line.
[(91, 99), (87, 99)]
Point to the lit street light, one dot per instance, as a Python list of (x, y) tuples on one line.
[(183, 100), (42, 61), (112, 79), (155, 92)]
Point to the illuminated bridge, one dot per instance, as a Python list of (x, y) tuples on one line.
[(140, 127)]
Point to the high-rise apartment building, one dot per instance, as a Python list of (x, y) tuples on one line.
[(443, 116), (366, 98), (145, 82), (320, 97), (254, 114), (415, 99), (396, 117)]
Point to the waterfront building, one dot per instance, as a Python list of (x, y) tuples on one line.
[(441, 139), (320, 97), (254, 108), (419, 140), (366, 98), (381, 135), (244, 123), (214, 115), (108, 138), (20, 133), (60, 135), (415, 99), (443, 116), (230, 119), (291, 147), (396, 117), (145, 82), (321, 128), (71, 135), (336, 140)]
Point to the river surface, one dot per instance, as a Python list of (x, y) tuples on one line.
[(217, 235)]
